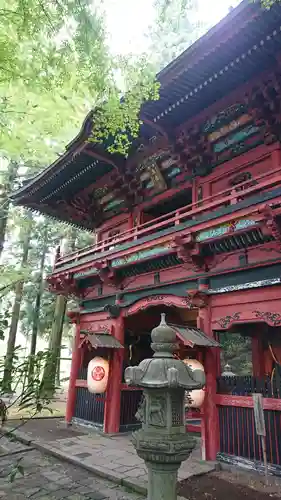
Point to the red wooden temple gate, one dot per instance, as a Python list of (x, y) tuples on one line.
[(189, 224)]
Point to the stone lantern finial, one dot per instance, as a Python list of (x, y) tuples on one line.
[(164, 339)]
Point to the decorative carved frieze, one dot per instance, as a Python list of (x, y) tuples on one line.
[(272, 318), (226, 321)]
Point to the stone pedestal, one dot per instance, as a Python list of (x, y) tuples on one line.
[(162, 481)]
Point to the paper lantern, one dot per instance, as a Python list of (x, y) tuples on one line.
[(97, 376), (195, 398), (194, 364)]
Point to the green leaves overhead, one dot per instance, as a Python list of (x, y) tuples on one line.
[(54, 67), (267, 4)]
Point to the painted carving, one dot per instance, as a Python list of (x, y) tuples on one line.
[(142, 254), (96, 327), (227, 134), (219, 231), (223, 117), (155, 300), (272, 318), (230, 127), (226, 321), (242, 177)]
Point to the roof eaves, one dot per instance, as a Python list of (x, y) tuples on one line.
[(63, 160), (205, 44)]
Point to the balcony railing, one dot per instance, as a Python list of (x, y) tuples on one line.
[(193, 212)]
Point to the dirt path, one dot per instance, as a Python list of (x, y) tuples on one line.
[(227, 486)]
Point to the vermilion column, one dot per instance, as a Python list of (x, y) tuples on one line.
[(113, 394), (258, 354), (210, 421), (74, 371)]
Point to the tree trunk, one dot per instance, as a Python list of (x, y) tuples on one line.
[(36, 311), (52, 363), (50, 369), (58, 369), (8, 365), (4, 200)]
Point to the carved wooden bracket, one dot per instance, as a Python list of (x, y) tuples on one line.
[(189, 251), (80, 208), (198, 298), (264, 105), (106, 274), (271, 225), (63, 285), (194, 148), (113, 310), (127, 186), (73, 315)]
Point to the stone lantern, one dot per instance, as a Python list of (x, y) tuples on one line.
[(162, 441)]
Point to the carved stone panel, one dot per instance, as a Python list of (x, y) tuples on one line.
[(157, 410)]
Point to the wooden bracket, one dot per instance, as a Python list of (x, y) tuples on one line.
[(106, 274), (264, 105), (63, 284), (271, 225), (198, 298), (189, 251)]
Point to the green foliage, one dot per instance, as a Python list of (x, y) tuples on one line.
[(55, 67), (10, 276), (16, 470), (3, 324), (29, 396), (267, 4), (236, 351), (176, 27)]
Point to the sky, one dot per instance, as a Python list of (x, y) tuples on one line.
[(128, 20)]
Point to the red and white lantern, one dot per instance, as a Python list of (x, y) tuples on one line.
[(198, 395), (97, 376)]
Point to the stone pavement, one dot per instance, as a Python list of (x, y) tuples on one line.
[(112, 457), (47, 478)]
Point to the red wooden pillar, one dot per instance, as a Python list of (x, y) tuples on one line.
[(258, 354), (210, 420), (74, 371), (113, 394), (210, 410)]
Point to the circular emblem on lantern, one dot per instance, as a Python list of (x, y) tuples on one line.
[(98, 373)]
